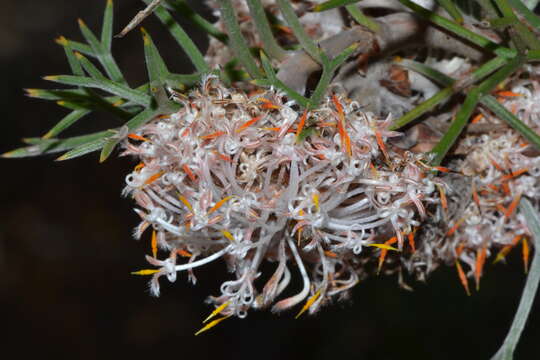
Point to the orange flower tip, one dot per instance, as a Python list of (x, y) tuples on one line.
[(81, 22), (145, 272), (118, 103), (109, 2), (154, 244), (219, 204), (216, 311), (463, 278), (137, 137), (477, 118), (211, 325), (51, 77), (61, 40), (525, 252), (153, 178), (508, 94), (442, 169), (309, 303), (330, 254), (412, 244), (184, 253), (398, 59)]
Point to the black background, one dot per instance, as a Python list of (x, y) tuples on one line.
[(66, 248)]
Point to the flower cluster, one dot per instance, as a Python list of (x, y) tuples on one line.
[(499, 168), (250, 178)]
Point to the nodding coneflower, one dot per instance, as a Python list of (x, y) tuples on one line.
[(249, 178)]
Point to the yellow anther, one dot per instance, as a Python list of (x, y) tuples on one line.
[(315, 198), (309, 303), (228, 235), (383, 246), (145, 272), (211, 325), (185, 202), (217, 311)]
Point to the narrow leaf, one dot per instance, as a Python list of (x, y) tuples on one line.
[(459, 30), (303, 38), (72, 60), (103, 54), (506, 352), (185, 11), (528, 133), (66, 122), (132, 125), (274, 81), (268, 40), (237, 41), (107, 29), (90, 68), (45, 146), (332, 4), (183, 39), (157, 70), (451, 9), (106, 85), (362, 19)]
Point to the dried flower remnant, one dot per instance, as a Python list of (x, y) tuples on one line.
[(228, 177)]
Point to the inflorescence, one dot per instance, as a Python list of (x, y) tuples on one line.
[(250, 178)]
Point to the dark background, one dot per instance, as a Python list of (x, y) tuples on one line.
[(66, 248)]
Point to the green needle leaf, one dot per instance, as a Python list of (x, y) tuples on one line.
[(274, 81), (157, 70), (499, 110), (137, 121), (268, 40), (459, 30), (66, 122), (506, 352), (42, 146), (237, 41), (465, 112), (107, 29), (185, 11), (90, 68), (102, 53), (74, 63), (451, 9), (303, 38), (332, 4), (106, 85), (362, 19), (182, 38)]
